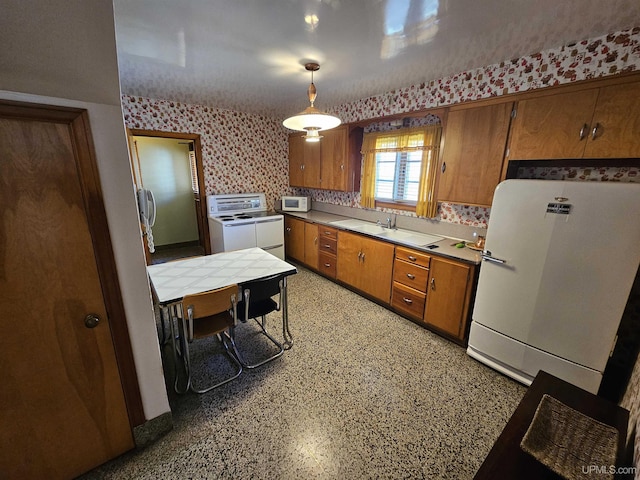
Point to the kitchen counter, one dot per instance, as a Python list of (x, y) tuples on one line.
[(445, 247)]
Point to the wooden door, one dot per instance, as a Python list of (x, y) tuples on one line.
[(376, 268), (447, 296), (311, 244), (294, 238), (333, 158), (553, 126), (617, 118), (475, 142), (62, 405)]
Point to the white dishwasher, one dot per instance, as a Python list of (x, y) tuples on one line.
[(238, 221)]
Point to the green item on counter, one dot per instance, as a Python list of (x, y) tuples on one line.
[(459, 245)]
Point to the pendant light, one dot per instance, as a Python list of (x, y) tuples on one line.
[(312, 120)]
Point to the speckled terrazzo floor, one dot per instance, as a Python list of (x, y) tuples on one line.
[(363, 393)]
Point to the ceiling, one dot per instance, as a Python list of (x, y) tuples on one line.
[(249, 55)]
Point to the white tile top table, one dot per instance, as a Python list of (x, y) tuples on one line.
[(171, 281)]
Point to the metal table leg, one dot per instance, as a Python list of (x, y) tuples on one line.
[(286, 334)]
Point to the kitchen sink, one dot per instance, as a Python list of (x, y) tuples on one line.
[(371, 229), (411, 238), (351, 223), (406, 237)]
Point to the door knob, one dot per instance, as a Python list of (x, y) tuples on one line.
[(91, 321)]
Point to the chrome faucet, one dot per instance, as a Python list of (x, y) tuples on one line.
[(391, 224)]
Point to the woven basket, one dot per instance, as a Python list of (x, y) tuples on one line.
[(573, 445)]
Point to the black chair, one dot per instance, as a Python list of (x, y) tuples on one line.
[(257, 302), (204, 315)]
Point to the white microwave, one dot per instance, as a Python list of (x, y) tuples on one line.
[(296, 204)]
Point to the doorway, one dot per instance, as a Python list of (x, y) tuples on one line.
[(169, 165)]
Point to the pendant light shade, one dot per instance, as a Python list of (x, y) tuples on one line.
[(312, 120)]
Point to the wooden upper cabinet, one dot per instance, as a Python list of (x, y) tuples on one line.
[(553, 126), (594, 123), (615, 127), (333, 163), (333, 158), (304, 162), (473, 154)]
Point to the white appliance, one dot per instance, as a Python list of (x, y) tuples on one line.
[(296, 204), (238, 221), (147, 209), (559, 262)]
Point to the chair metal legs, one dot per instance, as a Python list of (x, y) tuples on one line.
[(268, 359), (182, 356)]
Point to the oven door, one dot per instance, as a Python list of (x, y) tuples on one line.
[(270, 235), (237, 236)]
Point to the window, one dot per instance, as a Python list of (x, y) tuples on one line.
[(400, 168)]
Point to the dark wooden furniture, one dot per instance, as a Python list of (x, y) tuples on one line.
[(507, 460)]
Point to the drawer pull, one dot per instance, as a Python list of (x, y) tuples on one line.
[(327, 246), (411, 276), (412, 258), (327, 265), (407, 300), (326, 232)]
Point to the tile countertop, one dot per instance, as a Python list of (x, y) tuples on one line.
[(446, 246)]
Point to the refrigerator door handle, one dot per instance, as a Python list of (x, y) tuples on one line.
[(486, 256)]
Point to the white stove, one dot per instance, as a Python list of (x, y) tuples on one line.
[(238, 221)]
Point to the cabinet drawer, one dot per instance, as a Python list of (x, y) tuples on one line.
[(410, 274), (328, 245), (327, 232), (413, 256), (327, 264), (408, 300)]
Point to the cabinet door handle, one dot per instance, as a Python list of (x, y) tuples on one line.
[(359, 256), (288, 229), (583, 130), (411, 276), (342, 167), (433, 284), (315, 241), (594, 131), (301, 167), (363, 256), (444, 166), (407, 300), (412, 258)]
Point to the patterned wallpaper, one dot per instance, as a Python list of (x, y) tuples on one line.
[(246, 153), (241, 153)]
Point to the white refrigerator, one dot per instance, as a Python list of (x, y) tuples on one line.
[(559, 262)]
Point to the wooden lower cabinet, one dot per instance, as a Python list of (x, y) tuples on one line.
[(301, 241), (328, 250), (311, 244), (410, 276), (294, 238), (449, 296), (365, 264), (429, 289)]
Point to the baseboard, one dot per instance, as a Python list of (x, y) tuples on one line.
[(152, 429)]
